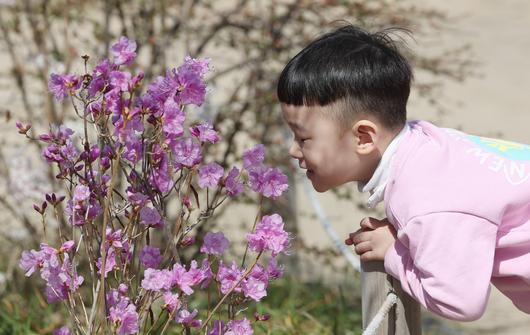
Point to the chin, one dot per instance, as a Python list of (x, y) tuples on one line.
[(320, 188)]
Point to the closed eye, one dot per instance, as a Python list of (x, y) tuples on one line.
[(302, 140)]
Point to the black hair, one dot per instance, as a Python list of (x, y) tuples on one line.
[(364, 70)]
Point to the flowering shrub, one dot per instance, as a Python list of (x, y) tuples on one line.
[(119, 180)]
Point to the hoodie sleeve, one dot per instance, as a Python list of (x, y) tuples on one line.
[(444, 260)]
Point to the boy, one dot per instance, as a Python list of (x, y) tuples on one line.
[(458, 206)]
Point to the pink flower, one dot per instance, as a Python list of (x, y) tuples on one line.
[(270, 182), (137, 198), (62, 85), (173, 119), (269, 235), (81, 193), (205, 133), (121, 80), (188, 319), (194, 276), (273, 269), (254, 288), (187, 152), (198, 66), (124, 315), (150, 257), (110, 261), (239, 327), (156, 280), (214, 243), (67, 246), (31, 261), (171, 302), (210, 174), (233, 186), (61, 279), (192, 89), (115, 296), (150, 217), (160, 173), (62, 331), (58, 272), (229, 276), (100, 77), (254, 156), (124, 51)]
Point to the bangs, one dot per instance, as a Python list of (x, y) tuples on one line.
[(310, 80)]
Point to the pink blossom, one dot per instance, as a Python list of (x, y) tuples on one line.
[(269, 235), (192, 89), (100, 77), (137, 198), (156, 280), (187, 152), (232, 185), (115, 296), (214, 243), (124, 51), (270, 182), (273, 269), (62, 85), (199, 66), (255, 286), (205, 133), (173, 119), (150, 217), (61, 278), (81, 193), (160, 173), (254, 156), (110, 261), (67, 246), (150, 257), (171, 302), (125, 317), (121, 80), (31, 261), (188, 319), (229, 276), (210, 174), (239, 327), (62, 331)]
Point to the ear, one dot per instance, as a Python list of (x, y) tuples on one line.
[(365, 133)]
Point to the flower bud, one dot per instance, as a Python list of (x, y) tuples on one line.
[(262, 317), (187, 241), (23, 128)]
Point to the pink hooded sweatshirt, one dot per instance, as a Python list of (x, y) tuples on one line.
[(461, 207)]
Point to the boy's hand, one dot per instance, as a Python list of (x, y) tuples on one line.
[(373, 239)]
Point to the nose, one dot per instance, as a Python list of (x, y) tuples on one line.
[(295, 151)]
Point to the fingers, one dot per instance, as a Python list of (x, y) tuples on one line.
[(357, 237), (368, 257), (363, 247), (372, 223)]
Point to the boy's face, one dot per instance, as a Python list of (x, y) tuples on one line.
[(330, 154)]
